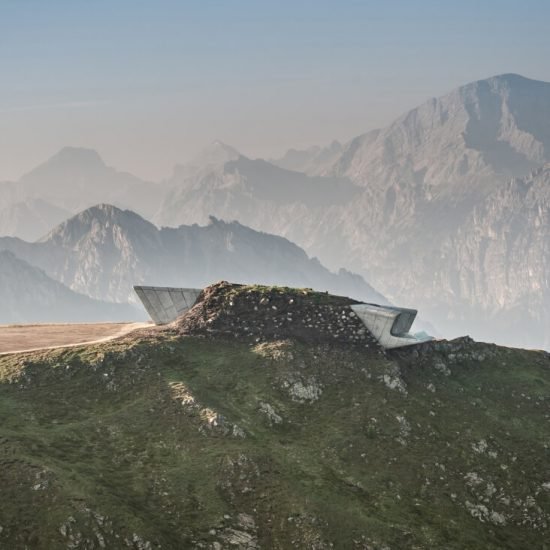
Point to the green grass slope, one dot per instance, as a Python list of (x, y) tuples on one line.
[(170, 441)]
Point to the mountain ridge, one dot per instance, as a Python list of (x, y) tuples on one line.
[(28, 295), (104, 251)]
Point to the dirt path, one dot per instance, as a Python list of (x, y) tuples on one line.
[(23, 338)]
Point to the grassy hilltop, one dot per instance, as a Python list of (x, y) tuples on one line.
[(182, 438)]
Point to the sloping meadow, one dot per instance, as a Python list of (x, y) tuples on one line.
[(185, 441)]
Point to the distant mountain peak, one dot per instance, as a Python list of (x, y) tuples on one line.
[(214, 156), (506, 81), (511, 77), (78, 156), (102, 215), (216, 153), (107, 212), (221, 144), (73, 161)]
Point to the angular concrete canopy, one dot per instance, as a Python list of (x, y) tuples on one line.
[(166, 304), (389, 325)]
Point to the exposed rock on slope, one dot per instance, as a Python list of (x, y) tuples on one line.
[(498, 263), (169, 441), (28, 295), (257, 313), (103, 251)]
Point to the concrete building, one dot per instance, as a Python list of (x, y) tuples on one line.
[(166, 304), (389, 325)]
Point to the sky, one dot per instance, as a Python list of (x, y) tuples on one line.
[(148, 84)]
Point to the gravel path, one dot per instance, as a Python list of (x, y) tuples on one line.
[(22, 338)]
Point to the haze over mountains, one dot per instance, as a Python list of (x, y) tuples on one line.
[(445, 210), (28, 295), (103, 251), (72, 180), (420, 181)]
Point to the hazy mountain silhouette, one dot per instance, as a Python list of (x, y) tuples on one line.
[(235, 187), (74, 179), (30, 219), (28, 295), (104, 251), (313, 161)]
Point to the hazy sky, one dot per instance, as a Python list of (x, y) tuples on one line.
[(149, 83)]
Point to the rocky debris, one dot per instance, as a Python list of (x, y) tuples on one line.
[(393, 379), (269, 411), (240, 533), (89, 529), (496, 504), (404, 429), (259, 314), (238, 476), (303, 390), (442, 355), (210, 421), (481, 512)]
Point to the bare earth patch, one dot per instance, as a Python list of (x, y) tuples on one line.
[(17, 338)]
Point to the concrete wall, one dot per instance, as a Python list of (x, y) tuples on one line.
[(389, 325), (166, 304)]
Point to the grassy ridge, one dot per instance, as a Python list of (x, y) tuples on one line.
[(189, 442)]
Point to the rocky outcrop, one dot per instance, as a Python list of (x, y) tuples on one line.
[(260, 314)]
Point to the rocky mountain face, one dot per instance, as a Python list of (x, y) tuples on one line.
[(313, 161), (236, 188), (28, 295), (487, 130), (421, 188), (104, 251), (498, 263), (283, 440)]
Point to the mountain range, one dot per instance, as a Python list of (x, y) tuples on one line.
[(103, 251), (72, 180), (423, 187), (28, 295), (444, 210)]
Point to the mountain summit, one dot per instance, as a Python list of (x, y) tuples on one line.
[(215, 154), (482, 132), (76, 178), (264, 418)]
